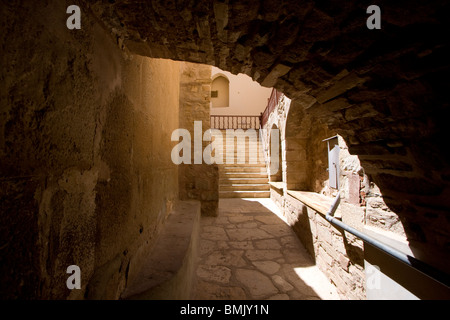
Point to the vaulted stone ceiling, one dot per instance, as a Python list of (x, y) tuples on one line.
[(383, 90)]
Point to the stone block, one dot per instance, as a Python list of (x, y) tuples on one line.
[(346, 83), (354, 188), (278, 71), (324, 234), (365, 110)]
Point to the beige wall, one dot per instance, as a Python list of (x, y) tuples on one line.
[(247, 97)]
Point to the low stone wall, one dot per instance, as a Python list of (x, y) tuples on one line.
[(338, 254), (168, 272)]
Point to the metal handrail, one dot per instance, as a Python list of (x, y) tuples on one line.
[(424, 268), (271, 105)]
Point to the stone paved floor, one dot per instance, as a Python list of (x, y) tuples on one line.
[(248, 252)]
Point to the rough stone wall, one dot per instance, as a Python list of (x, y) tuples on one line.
[(198, 181), (384, 91), (85, 174), (339, 255)]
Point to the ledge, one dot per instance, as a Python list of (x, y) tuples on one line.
[(169, 270), (277, 184), (316, 201)]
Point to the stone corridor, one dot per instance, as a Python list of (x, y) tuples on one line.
[(248, 252), (95, 125)]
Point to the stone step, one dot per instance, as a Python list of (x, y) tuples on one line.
[(248, 144), (241, 156), (251, 180), (241, 151), (241, 165), (235, 133), (256, 169), (244, 187), (236, 155), (243, 180), (240, 175), (244, 194), (238, 162)]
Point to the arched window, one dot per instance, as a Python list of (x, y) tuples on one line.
[(220, 92)]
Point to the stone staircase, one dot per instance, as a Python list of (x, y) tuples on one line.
[(243, 178)]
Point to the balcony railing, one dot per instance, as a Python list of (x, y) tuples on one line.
[(271, 104), (235, 122)]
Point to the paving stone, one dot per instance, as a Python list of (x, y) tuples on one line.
[(244, 245), (281, 296), (214, 273), (268, 267), (221, 220), (240, 219), (278, 230), (214, 233), (247, 234), (290, 242), (269, 219), (213, 229), (296, 295), (262, 254), (296, 257), (206, 246), (222, 244), (267, 244), (211, 291), (260, 258), (281, 284), (226, 258), (248, 225), (259, 285)]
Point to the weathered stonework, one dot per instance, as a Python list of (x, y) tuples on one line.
[(82, 147), (376, 89), (197, 181), (339, 255)]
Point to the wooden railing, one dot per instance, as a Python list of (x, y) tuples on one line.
[(271, 104), (235, 122)]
